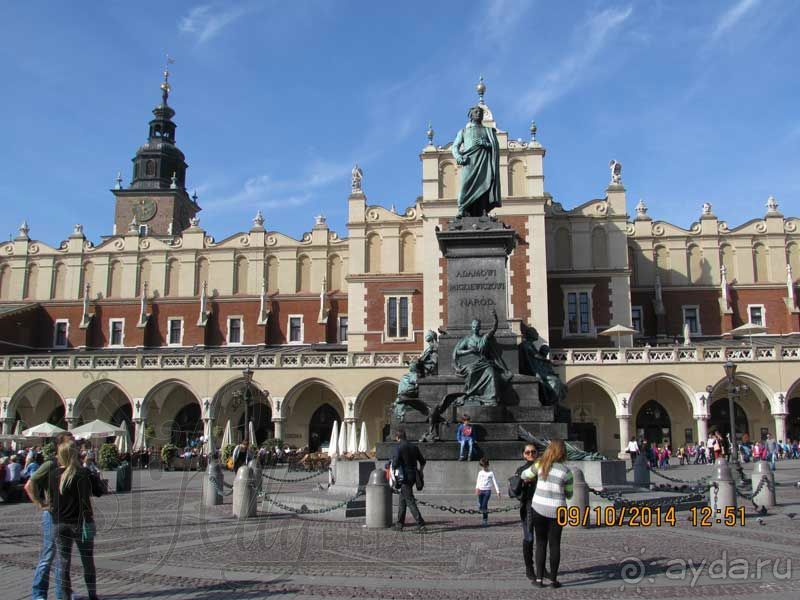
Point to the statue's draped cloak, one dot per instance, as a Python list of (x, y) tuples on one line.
[(480, 182), (482, 367)]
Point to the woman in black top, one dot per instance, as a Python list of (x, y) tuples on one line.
[(526, 511), (73, 520)]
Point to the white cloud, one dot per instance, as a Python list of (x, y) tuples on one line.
[(500, 18), (731, 17), (589, 39), (208, 20)]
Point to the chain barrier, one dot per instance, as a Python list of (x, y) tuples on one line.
[(220, 490), (765, 481), (701, 481), (466, 511), (304, 510), (299, 479), (619, 501)]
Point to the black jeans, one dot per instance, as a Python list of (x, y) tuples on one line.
[(548, 533), (407, 500), (65, 535)]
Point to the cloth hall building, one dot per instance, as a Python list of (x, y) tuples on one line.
[(155, 323)]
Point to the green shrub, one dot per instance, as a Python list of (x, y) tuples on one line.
[(272, 443), (168, 452), (49, 451), (108, 458)]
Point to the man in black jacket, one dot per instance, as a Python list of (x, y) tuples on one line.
[(404, 463), (526, 510)]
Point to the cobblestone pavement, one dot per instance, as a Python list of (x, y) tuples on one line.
[(160, 542)]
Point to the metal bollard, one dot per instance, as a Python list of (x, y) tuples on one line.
[(255, 467), (212, 484), (641, 471), (765, 497), (379, 501), (725, 494), (580, 492), (244, 496)]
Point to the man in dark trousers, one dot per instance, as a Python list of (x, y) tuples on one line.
[(404, 464), (530, 455)]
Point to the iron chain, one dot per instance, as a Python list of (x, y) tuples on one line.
[(299, 479), (304, 510)]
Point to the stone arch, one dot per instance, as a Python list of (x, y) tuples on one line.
[(661, 256), (143, 277), (173, 278), (516, 178), (59, 281), (35, 401), (272, 274), (161, 407), (373, 406), (240, 275), (695, 263), (727, 256), (114, 279), (594, 421), (447, 181), (373, 253), (31, 281), (335, 267), (661, 388), (201, 274), (302, 401), (599, 248), (87, 276), (228, 405), (760, 263), (5, 282), (303, 274), (408, 245), (103, 399), (563, 248), (793, 258)]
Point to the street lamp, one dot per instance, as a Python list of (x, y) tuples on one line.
[(248, 396), (733, 391)]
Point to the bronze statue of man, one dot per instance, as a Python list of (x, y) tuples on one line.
[(477, 150)]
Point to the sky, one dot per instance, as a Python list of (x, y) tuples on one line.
[(275, 102)]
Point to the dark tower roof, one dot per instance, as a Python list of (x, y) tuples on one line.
[(159, 159)]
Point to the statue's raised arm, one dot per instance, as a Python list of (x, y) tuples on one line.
[(495, 324)]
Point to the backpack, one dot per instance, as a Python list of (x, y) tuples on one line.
[(515, 485)]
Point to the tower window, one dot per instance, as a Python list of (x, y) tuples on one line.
[(143, 230), (150, 168), (295, 329)]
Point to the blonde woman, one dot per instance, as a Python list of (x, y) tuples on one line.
[(70, 492), (553, 488)]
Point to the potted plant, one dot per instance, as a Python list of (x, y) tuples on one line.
[(168, 453), (108, 457)]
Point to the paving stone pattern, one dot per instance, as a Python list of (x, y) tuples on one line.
[(160, 542)]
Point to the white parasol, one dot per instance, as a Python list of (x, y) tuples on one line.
[(227, 436), (618, 331), (333, 445), (252, 432), (342, 439), (363, 443), (352, 438), (140, 442), (123, 441), (96, 429), (43, 430)]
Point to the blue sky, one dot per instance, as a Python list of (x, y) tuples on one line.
[(275, 101)]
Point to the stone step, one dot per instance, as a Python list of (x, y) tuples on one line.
[(501, 414), (503, 450), (484, 432)]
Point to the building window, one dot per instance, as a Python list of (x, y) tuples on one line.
[(691, 317), (578, 319), (235, 330), (342, 329), (636, 319), (397, 317), (757, 314), (61, 333), (175, 327), (143, 230), (116, 328), (295, 329)]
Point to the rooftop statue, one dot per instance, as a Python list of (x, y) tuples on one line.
[(476, 359), (477, 150), (535, 361)]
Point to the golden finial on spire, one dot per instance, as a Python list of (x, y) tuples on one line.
[(481, 89), (165, 88)]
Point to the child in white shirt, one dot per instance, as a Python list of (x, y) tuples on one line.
[(483, 488)]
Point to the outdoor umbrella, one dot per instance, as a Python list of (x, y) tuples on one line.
[(333, 445), (43, 430), (618, 331), (748, 329), (17, 437), (363, 444), (343, 439), (352, 438), (96, 429), (139, 444), (209, 438), (227, 436), (252, 431), (123, 441)]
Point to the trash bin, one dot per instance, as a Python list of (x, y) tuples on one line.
[(124, 474)]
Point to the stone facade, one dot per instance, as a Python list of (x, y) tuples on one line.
[(155, 325)]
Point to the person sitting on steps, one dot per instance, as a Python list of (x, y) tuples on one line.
[(464, 436)]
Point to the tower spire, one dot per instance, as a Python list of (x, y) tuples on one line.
[(165, 88)]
